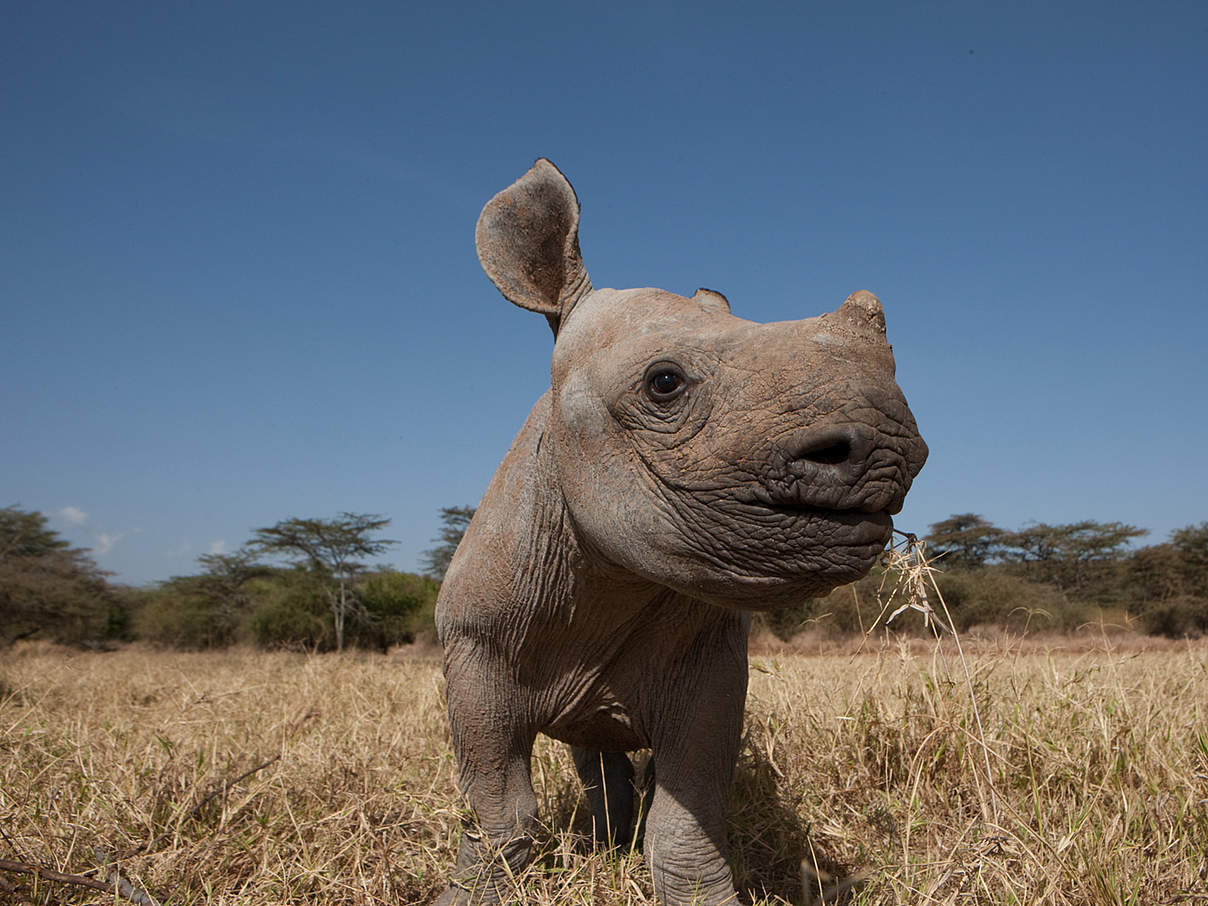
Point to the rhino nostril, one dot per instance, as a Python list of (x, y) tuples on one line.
[(829, 447), (831, 454)]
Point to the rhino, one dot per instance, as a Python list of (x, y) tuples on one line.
[(684, 469)]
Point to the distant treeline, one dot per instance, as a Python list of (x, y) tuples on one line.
[(1040, 578), (302, 583)]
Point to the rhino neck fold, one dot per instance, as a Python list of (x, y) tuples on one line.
[(533, 586)]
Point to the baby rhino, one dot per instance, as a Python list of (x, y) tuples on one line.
[(685, 468)]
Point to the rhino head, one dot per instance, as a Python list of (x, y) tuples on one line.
[(749, 465)]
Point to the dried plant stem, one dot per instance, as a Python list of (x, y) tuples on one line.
[(915, 575), (116, 883), (960, 651), (222, 790)]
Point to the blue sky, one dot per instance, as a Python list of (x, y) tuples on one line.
[(238, 281)]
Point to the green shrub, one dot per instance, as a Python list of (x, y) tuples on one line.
[(176, 614), (1176, 618), (995, 595), (397, 607), (289, 610)]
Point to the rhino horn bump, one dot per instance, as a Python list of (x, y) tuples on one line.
[(862, 311)]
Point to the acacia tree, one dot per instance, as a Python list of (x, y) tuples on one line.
[(454, 522), (204, 610), (1070, 556), (226, 578), (965, 541), (48, 587), (1192, 544), (23, 533), (1169, 583), (329, 548)]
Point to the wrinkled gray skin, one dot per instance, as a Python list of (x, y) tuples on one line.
[(684, 468)]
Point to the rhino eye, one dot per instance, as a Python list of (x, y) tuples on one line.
[(664, 382)]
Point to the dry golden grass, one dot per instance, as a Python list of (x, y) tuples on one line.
[(869, 767)]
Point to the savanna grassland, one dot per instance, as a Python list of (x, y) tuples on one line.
[(252, 778)]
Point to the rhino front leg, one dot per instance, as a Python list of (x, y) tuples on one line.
[(685, 839), (608, 780), (495, 778), (696, 749)]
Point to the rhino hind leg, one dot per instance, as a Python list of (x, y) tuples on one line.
[(645, 788), (608, 779)]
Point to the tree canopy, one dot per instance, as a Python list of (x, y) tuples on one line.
[(965, 541), (50, 589), (454, 522), (329, 548), (24, 533)]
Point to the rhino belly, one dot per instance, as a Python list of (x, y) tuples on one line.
[(605, 728)]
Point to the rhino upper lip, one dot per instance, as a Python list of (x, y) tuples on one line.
[(799, 505), (852, 516), (793, 508), (799, 509)]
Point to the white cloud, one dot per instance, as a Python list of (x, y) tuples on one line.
[(107, 541), (218, 547), (73, 515)]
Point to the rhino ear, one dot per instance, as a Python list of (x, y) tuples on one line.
[(528, 243)]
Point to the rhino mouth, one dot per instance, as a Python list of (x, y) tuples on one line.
[(830, 506), (793, 518), (857, 526), (850, 517)]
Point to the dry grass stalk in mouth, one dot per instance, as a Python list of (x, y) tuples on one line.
[(906, 560), (1099, 762)]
